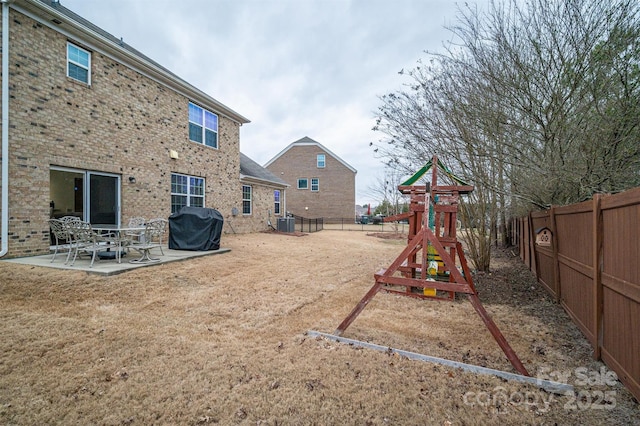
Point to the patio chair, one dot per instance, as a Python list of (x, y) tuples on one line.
[(160, 226), (135, 222), (60, 233), (85, 240), (67, 219), (152, 238)]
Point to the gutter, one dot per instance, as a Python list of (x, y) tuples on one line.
[(271, 183), (4, 203)]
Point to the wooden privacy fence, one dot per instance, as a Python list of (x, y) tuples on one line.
[(591, 265)]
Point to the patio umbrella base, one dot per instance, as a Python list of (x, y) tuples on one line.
[(110, 254)]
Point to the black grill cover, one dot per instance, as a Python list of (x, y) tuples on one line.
[(195, 228)]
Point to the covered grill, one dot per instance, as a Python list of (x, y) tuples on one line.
[(195, 228)]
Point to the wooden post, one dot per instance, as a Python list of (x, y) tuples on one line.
[(358, 308), (554, 246), (597, 274), (497, 335), (533, 265), (520, 238)]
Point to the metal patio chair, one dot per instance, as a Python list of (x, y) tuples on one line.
[(152, 238), (135, 222), (85, 240), (60, 233), (160, 226), (67, 219)]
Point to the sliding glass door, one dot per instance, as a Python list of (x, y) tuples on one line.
[(103, 194), (91, 196)]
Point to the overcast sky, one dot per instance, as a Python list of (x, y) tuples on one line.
[(294, 68)]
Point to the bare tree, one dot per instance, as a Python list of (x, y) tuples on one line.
[(385, 191), (537, 104)]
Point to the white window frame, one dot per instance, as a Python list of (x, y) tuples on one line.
[(321, 161), (202, 124), (78, 64), (277, 201), (315, 184), (247, 201), (306, 183), (188, 193)]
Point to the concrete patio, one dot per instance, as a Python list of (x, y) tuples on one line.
[(111, 266)]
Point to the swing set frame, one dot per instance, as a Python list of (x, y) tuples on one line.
[(433, 264)]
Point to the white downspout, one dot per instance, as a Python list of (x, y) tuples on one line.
[(4, 203)]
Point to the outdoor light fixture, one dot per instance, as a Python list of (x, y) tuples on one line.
[(132, 179)]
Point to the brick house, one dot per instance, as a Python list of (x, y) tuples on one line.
[(263, 194), (98, 130), (322, 184)]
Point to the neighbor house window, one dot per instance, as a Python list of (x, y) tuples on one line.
[(78, 63), (320, 161), (303, 183), (315, 184), (186, 191), (203, 126), (246, 199), (276, 201)]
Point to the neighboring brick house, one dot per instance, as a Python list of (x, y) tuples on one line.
[(98, 130), (322, 184)]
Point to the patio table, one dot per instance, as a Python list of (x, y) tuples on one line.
[(119, 231)]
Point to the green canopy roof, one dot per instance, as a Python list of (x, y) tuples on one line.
[(417, 175)]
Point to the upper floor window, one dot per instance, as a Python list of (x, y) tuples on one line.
[(276, 201), (303, 183), (246, 199), (203, 126), (315, 184), (320, 161), (186, 191), (78, 63)]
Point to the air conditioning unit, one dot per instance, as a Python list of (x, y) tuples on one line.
[(286, 224)]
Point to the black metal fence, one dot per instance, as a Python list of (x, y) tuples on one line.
[(303, 224)]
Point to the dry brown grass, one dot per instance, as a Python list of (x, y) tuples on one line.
[(220, 339)]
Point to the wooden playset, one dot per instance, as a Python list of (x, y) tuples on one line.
[(433, 264)]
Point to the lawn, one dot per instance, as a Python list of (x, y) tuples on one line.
[(221, 340)]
